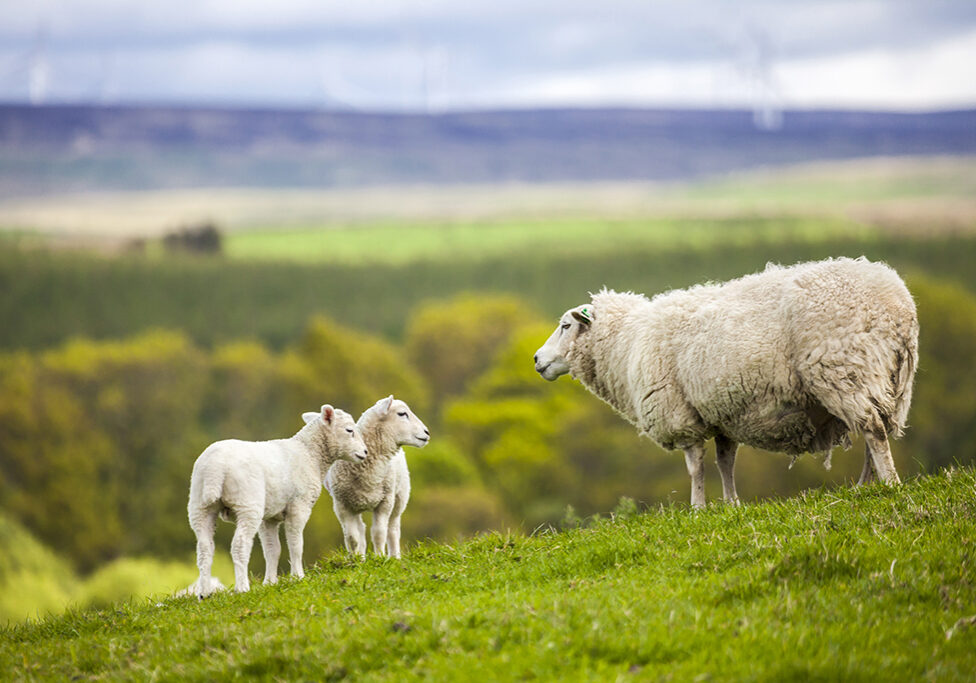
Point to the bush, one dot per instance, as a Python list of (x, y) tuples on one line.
[(451, 342)]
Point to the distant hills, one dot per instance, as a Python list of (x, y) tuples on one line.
[(54, 149)]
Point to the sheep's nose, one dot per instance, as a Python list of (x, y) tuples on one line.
[(365, 451), (536, 358), (426, 431)]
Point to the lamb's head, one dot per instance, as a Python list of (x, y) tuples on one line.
[(399, 422), (550, 359), (344, 435)]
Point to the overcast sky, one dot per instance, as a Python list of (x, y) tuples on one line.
[(439, 55)]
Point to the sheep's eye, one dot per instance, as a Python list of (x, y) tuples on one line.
[(566, 326), (402, 414), (349, 430)]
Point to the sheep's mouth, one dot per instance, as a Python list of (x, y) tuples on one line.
[(546, 375), (423, 439)]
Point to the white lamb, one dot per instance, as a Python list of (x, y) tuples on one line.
[(381, 483), (791, 359), (260, 484)]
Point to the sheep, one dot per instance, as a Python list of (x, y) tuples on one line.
[(260, 484), (381, 483), (791, 359)]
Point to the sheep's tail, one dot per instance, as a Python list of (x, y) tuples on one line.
[(205, 491), (210, 491), (902, 384)]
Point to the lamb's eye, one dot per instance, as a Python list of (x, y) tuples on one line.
[(402, 414), (566, 326), (349, 430)]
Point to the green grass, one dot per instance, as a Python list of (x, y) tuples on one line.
[(848, 584), (401, 243)]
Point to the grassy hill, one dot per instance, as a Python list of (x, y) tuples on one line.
[(847, 584)]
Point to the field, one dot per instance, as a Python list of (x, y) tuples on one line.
[(852, 584)]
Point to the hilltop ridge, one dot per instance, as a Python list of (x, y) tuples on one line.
[(849, 583)]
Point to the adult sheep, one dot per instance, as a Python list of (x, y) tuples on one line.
[(791, 359)]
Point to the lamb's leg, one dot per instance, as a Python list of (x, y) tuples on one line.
[(240, 548), (357, 528), (271, 546), (393, 538), (381, 521), (695, 460), (204, 524), (725, 459), (353, 530), (876, 443), (867, 473), (295, 521)]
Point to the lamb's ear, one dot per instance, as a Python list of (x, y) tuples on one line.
[(385, 404), (584, 314), (308, 417), (327, 413)]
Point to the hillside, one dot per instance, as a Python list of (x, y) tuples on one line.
[(845, 584), (57, 149)]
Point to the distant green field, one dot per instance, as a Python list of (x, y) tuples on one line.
[(854, 584), (841, 183), (404, 243)]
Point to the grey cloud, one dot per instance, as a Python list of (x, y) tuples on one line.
[(481, 41)]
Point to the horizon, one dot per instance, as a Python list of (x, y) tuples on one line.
[(513, 109)]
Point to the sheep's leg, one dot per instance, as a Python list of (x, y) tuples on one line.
[(867, 473), (295, 521), (725, 459), (271, 546), (381, 521), (695, 460), (240, 548), (876, 444), (353, 530), (204, 524), (357, 529), (393, 538)]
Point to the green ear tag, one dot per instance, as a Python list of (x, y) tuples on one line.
[(585, 312)]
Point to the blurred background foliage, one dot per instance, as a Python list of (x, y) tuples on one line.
[(99, 431)]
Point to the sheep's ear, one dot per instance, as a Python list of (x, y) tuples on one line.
[(327, 413), (308, 417), (385, 404), (584, 314)]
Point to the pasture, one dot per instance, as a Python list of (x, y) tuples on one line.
[(850, 584)]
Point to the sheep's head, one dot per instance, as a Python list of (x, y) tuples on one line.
[(402, 425), (550, 359), (348, 441)]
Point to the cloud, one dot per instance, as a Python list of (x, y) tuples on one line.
[(417, 53)]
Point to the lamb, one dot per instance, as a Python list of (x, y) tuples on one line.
[(791, 359), (381, 483), (260, 484)]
